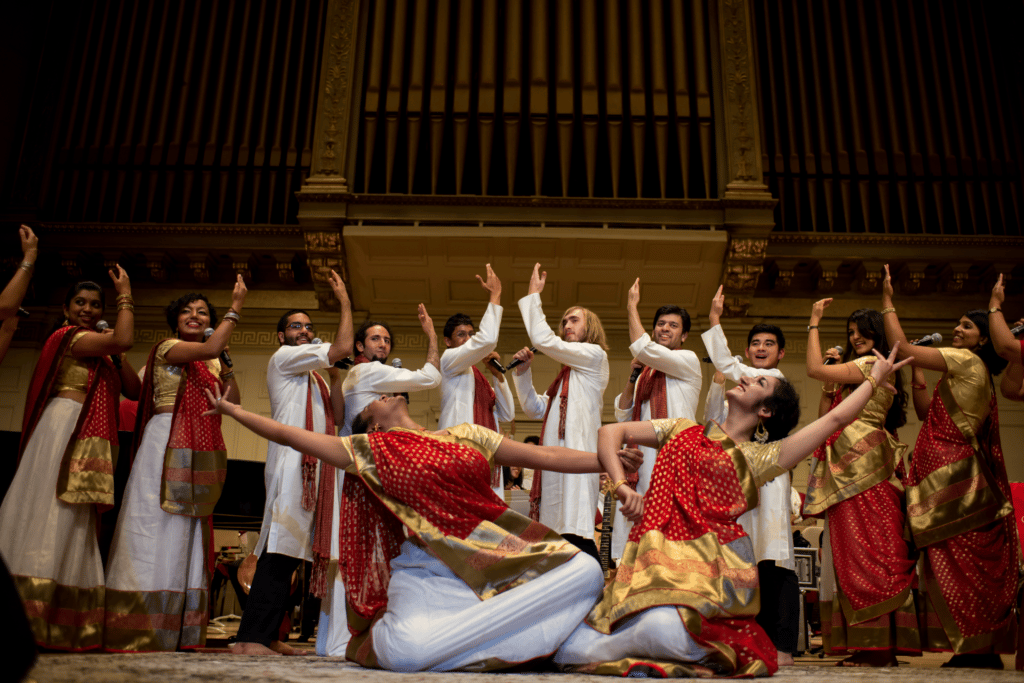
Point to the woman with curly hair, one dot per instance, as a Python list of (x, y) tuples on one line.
[(158, 573), (958, 498)]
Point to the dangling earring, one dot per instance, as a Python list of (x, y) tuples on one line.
[(760, 434), (65, 323)]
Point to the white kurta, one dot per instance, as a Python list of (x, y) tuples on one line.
[(363, 385), (458, 385), (683, 381), (568, 501), (768, 524), (287, 527)]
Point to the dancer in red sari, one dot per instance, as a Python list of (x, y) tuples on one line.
[(685, 597), (958, 499), (855, 483), (468, 583), (65, 476)]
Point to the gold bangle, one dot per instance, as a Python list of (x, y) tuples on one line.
[(827, 392), (888, 310), (126, 307), (873, 381), (227, 375), (26, 266)]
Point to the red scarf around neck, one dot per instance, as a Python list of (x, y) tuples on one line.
[(651, 387), (563, 405), (483, 414)]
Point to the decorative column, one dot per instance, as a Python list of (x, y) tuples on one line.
[(323, 197)]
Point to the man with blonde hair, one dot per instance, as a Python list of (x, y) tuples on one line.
[(570, 408)]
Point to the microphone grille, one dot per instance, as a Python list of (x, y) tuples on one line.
[(102, 325), (207, 333), (396, 363), (937, 337), (318, 340)]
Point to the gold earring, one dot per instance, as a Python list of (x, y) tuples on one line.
[(760, 434)]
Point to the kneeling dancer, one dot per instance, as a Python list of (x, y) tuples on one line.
[(468, 583), (685, 597)]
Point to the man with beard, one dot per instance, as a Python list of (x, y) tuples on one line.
[(768, 524), (665, 382), (299, 397), (368, 379), (466, 395)]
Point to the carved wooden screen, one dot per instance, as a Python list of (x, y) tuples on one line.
[(892, 117), (195, 111), (537, 97)]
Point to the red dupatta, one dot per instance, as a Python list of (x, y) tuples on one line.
[(195, 459), (87, 468)]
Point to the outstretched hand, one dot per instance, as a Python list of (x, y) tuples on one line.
[(339, 288), (425, 322), (633, 296), (998, 294), (492, 284), (238, 294), (887, 290), (525, 357), (219, 405), (818, 310), (29, 242), (537, 280), (122, 285), (883, 367), (717, 306)]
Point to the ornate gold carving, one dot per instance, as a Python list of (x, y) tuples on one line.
[(324, 253), (742, 276), (747, 248), (828, 275), (199, 264), (72, 265), (171, 229), (782, 238), (285, 271), (869, 277), (241, 264), (741, 129), (157, 264), (735, 308), (335, 94)]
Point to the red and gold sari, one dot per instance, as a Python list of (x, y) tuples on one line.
[(855, 481), (961, 515), (689, 552), (438, 488)]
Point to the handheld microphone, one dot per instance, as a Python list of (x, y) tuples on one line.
[(493, 362), (103, 326), (635, 375), (516, 361), (397, 364), (1013, 330), (830, 361), (317, 340), (225, 358), (929, 339), (343, 364)]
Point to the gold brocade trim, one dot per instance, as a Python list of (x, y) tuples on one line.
[(62, 617), (897, 628), (138, 621), (857, 617), (840, 477), (747, 482), (957, 497), (947, 635), (495, 556), (192, 481), (701, 574), (87, 472)]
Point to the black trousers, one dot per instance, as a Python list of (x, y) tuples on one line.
[(268, 598), (587, 545), (780, 605)]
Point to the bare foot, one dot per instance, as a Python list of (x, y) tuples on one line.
[(242, 648), (876, 658), (281, 649), (785, 659)]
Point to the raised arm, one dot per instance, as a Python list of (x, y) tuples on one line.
[(798, 446), (845, 373), (326, 447), (929, 359), (1002, 339), (428, 329), (102, 344), (14, 292), (344, 339), (575, 354), (636, 328), (188, 351)]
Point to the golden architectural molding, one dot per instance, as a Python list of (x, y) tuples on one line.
[(815, 238), (179, 229), (325, 251), (744, 264), (335, 100), (742, 133)]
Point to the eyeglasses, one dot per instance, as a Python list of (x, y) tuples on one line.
[(298, 326)]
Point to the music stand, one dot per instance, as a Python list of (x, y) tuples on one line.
[(807, 572)]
